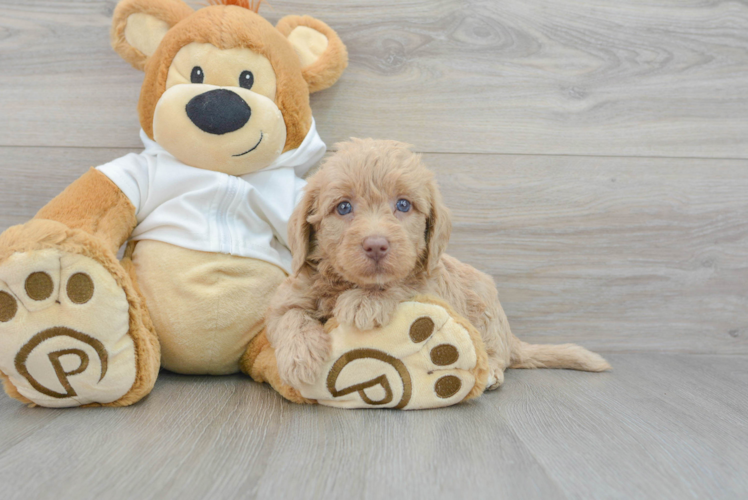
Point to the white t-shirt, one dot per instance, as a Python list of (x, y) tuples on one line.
[(212, 211)]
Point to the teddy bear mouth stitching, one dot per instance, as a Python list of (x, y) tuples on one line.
[(253, 147)]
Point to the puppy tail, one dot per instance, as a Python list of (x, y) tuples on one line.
[(569, 356)]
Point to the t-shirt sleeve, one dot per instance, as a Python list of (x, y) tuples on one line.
[(130, 174), (299, 185), (274, 196)]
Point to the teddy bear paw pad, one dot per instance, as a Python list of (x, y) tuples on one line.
[(424, 358), (64, 326)]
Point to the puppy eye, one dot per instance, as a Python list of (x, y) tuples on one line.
[(246, 79), (344, 207), (197, 75), (403, 205)]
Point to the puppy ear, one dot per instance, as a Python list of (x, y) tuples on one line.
[(438, 228), (322, 54), (138, 26), (300, 230)]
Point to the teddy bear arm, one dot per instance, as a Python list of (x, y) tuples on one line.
[(94, 204)]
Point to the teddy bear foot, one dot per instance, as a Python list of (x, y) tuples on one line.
[(427, 357), (64, 324)]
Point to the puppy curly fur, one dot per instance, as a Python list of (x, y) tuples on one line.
[(333, 277)]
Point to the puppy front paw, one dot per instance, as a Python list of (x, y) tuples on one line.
[(365, 312), (300, 360)]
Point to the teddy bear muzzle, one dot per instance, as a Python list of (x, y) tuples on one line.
[(218, 111), (226, 129)]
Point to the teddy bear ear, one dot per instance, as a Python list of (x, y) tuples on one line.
[(138, 26), (322, 54)]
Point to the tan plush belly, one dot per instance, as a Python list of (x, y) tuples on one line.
[(206, 307)]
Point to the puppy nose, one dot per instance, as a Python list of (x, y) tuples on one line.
[(376, 247), (218, 111)]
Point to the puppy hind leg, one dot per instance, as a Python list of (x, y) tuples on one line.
[(495, 334), (496, 368)]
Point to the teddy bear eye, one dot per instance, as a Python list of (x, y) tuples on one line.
[(197, 75), (403, 205), (246, 79), (345, 207)]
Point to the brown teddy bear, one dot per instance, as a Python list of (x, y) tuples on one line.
[(228, 134)]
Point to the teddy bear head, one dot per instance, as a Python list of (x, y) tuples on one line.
[(224, 89)]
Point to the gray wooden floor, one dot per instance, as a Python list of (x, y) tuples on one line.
[(595, 156), (665, 426)]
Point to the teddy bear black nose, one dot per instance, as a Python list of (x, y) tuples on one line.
[(218, 111)]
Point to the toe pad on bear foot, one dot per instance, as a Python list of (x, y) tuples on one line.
[(427, 357)]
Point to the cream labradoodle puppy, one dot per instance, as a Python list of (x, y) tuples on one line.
[(370, 233)]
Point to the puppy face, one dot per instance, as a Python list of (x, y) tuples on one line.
[(371, 215)]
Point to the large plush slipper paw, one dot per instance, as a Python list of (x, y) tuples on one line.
[(64, 324), (427, 357)]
